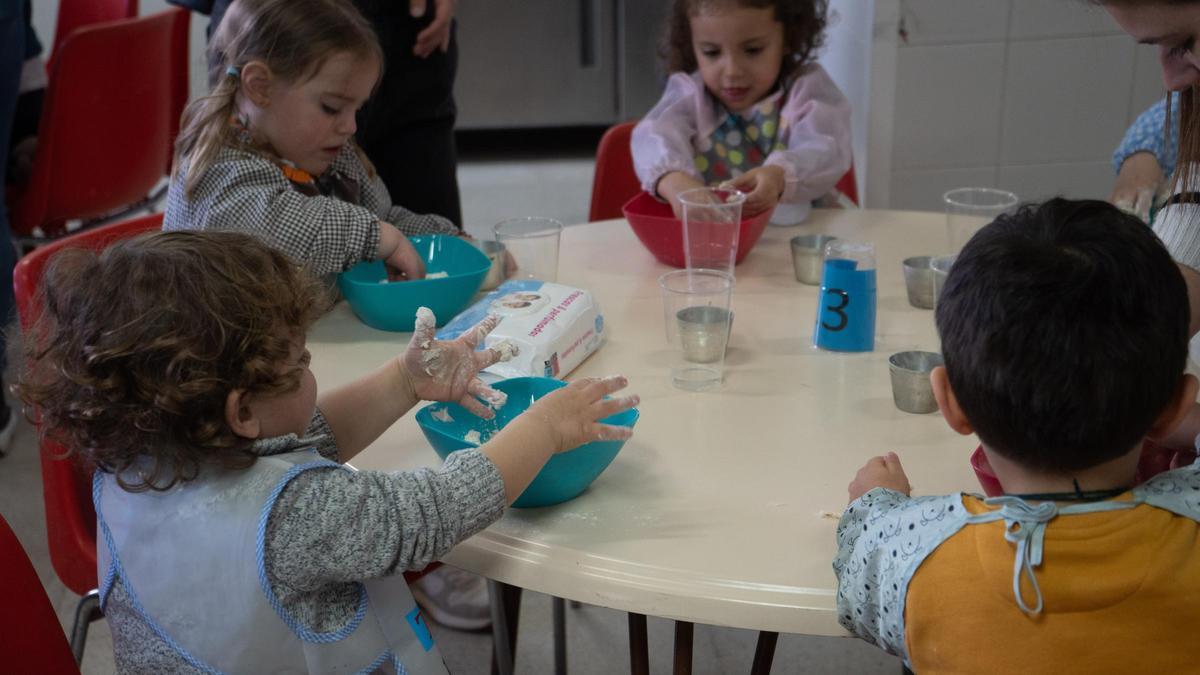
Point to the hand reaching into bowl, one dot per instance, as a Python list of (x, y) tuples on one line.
[(402, 261), (571, 413), (672, 185), (763, 187), (449, 370), (559, 421)]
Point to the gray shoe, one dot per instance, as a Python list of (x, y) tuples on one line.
[(454, 598)]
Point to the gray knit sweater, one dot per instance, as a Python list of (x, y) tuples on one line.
[(331, 528)]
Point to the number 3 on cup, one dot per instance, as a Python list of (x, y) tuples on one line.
[(843, 299)]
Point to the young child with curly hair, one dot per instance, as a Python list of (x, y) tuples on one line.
[(747, 105), (231, 538)]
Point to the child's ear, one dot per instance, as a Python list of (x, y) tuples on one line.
[(240, 416), (256, 83), (947, 403), (1177, 409)]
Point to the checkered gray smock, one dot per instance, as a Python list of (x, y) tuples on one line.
[(248, 192)]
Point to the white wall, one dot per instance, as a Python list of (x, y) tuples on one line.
[(847, 57), (1026, 95)]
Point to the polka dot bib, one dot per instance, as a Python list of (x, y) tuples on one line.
[(742, 141)]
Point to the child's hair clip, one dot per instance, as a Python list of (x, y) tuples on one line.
[(234, 71)]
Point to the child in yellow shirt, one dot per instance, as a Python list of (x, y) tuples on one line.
[(1064, 329)]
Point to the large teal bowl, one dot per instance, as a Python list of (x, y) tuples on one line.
[(393, 306), (564, 477)]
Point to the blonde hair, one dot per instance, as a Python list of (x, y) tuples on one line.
[(294, 38), (1189, 141)]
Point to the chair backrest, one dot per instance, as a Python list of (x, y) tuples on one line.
[(75, 14), (105, 125), (67, 487), (31, 639), (848, 186), (614, 182), (179, 78)]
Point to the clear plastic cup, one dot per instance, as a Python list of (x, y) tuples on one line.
[(532, 242), (698, 322), (969, 209), (712, 219)]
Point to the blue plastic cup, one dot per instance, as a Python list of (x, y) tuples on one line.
[(846, 304)]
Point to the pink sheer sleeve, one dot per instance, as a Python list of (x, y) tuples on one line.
[(662, 141), (818, 153)]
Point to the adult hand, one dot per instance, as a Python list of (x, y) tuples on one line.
[(1138, 183), (763, 187), (437, 34), (449, 370), (884, 472), (571, 413)]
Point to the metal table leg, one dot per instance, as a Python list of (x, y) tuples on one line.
[(764, 654), (639, 645), (683, 647), (506, 606), (560, 636)]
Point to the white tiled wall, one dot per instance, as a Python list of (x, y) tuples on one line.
[(1026, 95)]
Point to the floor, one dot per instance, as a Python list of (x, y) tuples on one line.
[(498, 181)]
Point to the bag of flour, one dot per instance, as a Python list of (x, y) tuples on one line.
[(555, 327)]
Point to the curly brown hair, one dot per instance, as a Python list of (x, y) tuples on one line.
[(138, 346), (803, 31)]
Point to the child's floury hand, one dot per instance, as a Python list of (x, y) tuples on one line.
[(448, 371), (884, 472), (571, 412)]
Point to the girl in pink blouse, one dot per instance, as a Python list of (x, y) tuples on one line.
[(746, 105)]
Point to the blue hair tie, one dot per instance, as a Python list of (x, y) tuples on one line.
[(233, 71)]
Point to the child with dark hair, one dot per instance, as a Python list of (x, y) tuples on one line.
[(231, 538), (1064, 331), (746, 105)]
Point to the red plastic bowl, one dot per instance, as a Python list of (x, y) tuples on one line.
[(662, 233), (983, 471)]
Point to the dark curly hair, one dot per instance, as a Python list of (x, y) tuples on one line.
[(138, 347), (803, 31)]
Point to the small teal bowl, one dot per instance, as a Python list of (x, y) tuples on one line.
[(393, 306), (564, 477)]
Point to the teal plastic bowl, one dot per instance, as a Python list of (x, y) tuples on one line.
[(393, 306), (564, 477)]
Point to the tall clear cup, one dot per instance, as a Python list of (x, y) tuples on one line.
[(712, 219)]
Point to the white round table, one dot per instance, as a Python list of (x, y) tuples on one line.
[(712, 513)]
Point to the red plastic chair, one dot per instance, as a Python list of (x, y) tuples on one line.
[(75, 14), (615, 182), (31, 641), (105, 127), (66, 487), (179, 79)]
